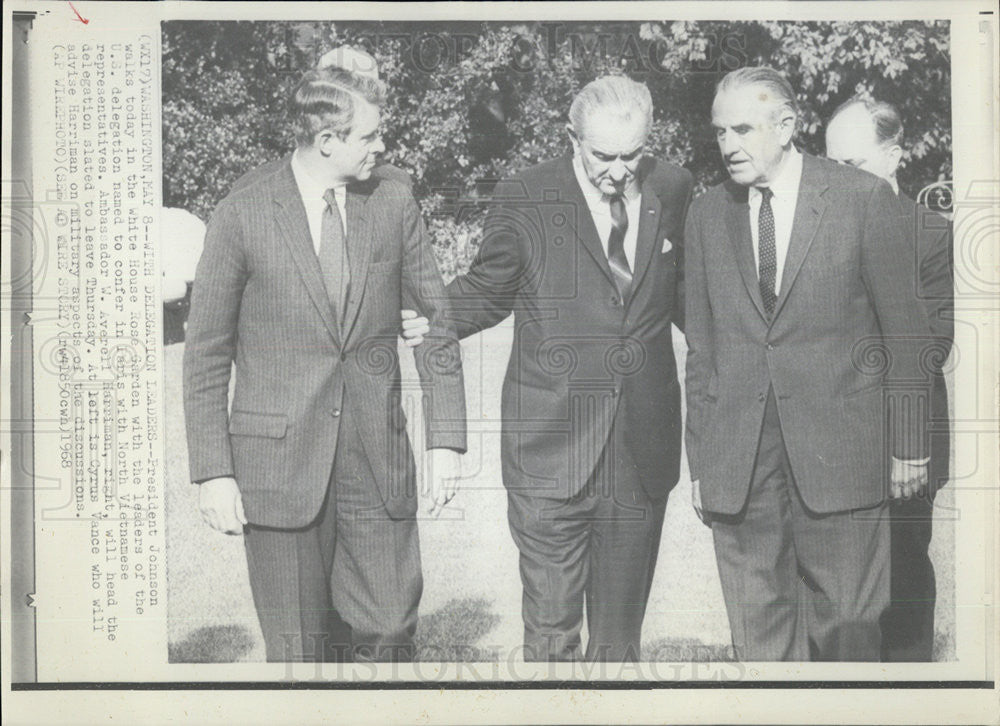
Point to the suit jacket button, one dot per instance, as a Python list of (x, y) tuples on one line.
[(761, 397), (615, 302), (335, 412), (343, 356)]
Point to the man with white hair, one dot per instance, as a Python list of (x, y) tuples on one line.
[(868, 134), (803, 332), (586, 252)]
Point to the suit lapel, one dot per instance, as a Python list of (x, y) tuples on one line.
[(809, 208), (586, 232), (738, 228), (359, 251), (650, 210), (293, 228)]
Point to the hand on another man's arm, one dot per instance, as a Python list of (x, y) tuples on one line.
[(414, 328)]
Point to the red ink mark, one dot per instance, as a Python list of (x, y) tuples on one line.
[(78, 16)]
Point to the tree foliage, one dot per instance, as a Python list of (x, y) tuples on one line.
[(473, 102)]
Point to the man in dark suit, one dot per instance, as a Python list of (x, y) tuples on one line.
[(867, 134), (300, 284), (800, 321), (586, 251)]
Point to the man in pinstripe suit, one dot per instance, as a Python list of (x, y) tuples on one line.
[(795, 298), (300, 284)]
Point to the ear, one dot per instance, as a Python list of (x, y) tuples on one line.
[(573, 138), (894, 154), (786, 126), (324, 140)]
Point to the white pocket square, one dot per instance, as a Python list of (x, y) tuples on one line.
[(667, 246)]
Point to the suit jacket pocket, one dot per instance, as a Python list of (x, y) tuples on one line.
[(248, 423), (384, 267)]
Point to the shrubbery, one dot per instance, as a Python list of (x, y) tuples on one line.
[(471, 102)]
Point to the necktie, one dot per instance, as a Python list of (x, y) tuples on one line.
[(766, 250), (333, 256), (620, 269)]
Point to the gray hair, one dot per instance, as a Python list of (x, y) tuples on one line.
[(766, 77), (326, 98), (886, 121), (620, 95)]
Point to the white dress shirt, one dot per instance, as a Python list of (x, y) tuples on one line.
[(786, 192), (600, 211), (312, 193)]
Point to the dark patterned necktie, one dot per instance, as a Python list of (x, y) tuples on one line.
[(333, 256), (620, 269), (766, 250)]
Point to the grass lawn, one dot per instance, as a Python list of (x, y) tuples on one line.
[(471, 607)]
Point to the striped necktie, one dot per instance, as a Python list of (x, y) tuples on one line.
[(333, 256), (620, 269)]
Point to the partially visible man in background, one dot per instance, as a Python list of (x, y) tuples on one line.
[(868, 134)]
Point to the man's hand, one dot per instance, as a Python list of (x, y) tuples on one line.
[(414, 328), (696, 501), (442, 471), (221, 505), (907, 479)]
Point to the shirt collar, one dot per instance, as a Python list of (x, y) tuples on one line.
[(786, 184), (594, 196), (309, 187)]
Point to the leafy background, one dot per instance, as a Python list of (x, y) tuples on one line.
[(472, 102)]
